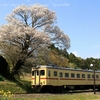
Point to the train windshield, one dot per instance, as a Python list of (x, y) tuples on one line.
[(42, 72), (33, 73), (36, 71)]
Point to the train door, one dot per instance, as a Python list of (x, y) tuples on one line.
[(37, 78)]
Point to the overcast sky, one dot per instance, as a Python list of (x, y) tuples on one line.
[(79, 19)]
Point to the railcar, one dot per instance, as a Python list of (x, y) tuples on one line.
[(53, 78)]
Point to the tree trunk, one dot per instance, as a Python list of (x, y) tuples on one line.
[(17, 67)]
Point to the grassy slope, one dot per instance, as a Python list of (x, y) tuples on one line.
[(24, 85)]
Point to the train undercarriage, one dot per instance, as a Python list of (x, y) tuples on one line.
[(58, 89)]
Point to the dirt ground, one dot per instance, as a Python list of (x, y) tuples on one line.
[(36, 95)]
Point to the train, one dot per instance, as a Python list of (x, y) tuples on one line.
[(56, 79)]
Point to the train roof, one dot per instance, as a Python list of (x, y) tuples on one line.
[(67, 68)]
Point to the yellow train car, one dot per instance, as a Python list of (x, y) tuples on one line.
[(56, 78)]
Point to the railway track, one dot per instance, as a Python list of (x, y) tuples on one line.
[(35, 95)]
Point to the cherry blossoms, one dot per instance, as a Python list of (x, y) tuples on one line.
[(29, 29)]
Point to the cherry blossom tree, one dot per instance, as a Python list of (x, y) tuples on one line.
[(29, 30)]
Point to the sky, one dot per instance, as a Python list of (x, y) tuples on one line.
[(79, 19)]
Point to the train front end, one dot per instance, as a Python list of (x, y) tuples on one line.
[(38, 78)]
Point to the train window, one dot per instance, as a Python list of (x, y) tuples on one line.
[(72, 75), (42, 72), (33, 73), (66, 74), (88, 75), (92, 76), (60, 74), (48, 73), (78, 75), (55, 73), (37, 72), (97, 76), (83, 75)]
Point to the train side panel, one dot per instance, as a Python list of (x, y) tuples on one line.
[(51, 76)]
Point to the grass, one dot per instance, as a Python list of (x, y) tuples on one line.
[(11, 86), (22, 86), (69, 97)]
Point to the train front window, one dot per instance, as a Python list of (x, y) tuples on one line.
[(33, 73), (42, 72)]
